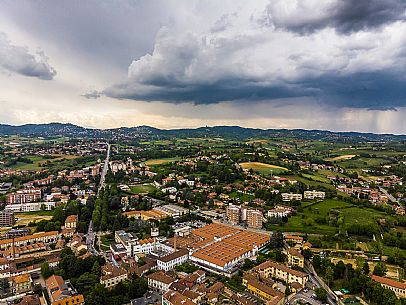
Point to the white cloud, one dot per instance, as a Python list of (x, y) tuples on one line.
[(20, 60)]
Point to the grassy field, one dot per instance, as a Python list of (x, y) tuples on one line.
[(263, 168), (308, 221), (24, 219), (142, 188), (39, 161), (154, 162)]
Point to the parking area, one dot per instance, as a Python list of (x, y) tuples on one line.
[(150, 298)]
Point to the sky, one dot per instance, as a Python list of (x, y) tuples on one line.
[(332, 64)]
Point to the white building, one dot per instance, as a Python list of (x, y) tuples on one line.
[(170, 261), (30, 206), (291, 196), (314, 194), (280, 211), (159, 281)]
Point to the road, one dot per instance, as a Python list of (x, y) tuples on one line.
[(391, 198), (314, 278), (91, 235), (304, 297)]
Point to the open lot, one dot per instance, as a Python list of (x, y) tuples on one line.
[(263, 168), (339, 158)]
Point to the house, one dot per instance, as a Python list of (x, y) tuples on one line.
[(173, 297), (160, 281), (295, 258), (262, 290), (112, 275), (398, 288), (71, 222), (294, 239), (61, 292), (21, 283), (270, 269)]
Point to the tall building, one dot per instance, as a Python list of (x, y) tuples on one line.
[(233, 214), (7, 219), (24, 196), (254, 219)]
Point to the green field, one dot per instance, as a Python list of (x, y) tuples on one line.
[(310, 220), (142, 188)]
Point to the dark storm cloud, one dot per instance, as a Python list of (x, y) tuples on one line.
[(376, 91), (18, 59), (221, 91), (344, 15)]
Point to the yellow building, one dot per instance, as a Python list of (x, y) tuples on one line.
[(22, 283), (270, 269), (295, 258), (262, 290)]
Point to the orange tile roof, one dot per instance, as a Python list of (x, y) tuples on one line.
[(28, 237), (71, 218), (175, 298), (389, 282), (73, 300), (271, 264)]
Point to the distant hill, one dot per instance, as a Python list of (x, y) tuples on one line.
[(231, 132)]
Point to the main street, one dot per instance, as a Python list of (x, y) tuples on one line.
[(91, 235)]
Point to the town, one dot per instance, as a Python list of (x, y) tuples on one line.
[(201, 220)]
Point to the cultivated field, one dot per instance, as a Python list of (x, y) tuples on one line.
[(263, 168), (339, 158), (153, 162)]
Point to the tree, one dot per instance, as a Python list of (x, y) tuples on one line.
[(288, 291), (365, 268), (321, 294), (46, 272), (96, 268), (329, 275), (380, 269)]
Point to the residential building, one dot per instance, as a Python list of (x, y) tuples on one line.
[(262, 290), (160, 281), (24, 196), (7, 218), (314, 194), (295, 258), (254, 218), (112, 275), (173, 297), (280, 211), (61, 292), (71, 222), (22, 283), (270, 269), (291, 196), (44, 237), (398, 288), (233, 214)]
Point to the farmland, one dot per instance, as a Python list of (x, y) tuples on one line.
[(263, 168)]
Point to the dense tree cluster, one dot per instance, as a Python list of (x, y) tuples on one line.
[(357, 280)]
